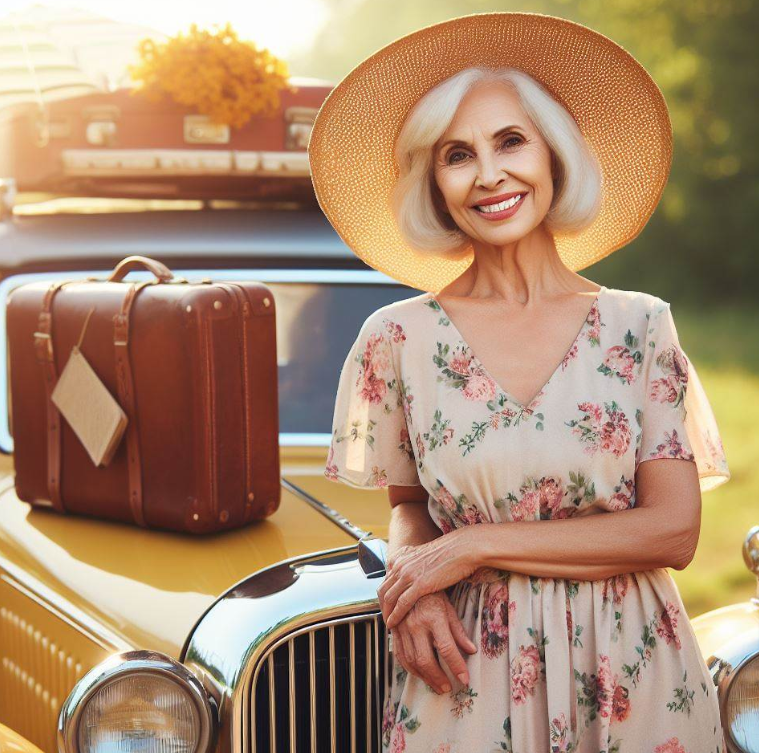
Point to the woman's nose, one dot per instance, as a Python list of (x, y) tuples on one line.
[(490, 172)]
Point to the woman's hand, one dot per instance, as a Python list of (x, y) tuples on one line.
[(414, 571), (432, 623)]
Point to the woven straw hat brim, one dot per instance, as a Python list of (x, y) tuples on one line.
[(615, 102)]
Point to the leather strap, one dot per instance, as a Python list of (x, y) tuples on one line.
[(43, 344), (125, 382)]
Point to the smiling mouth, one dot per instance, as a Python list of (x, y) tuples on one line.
[(500, 207)]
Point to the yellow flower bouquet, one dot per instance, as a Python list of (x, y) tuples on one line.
[(214, 72)]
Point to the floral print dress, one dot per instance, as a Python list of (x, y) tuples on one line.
[(601, 666)]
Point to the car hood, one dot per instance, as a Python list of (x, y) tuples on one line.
[(147, 587)]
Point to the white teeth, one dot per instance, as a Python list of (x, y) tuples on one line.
[(500, 207)]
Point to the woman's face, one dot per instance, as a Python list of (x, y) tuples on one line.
[(496, 150)]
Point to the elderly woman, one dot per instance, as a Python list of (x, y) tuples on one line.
[(510, 412)]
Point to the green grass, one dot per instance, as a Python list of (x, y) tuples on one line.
[(721, 343)]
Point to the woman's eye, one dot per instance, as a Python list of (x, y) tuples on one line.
[(508, 141)]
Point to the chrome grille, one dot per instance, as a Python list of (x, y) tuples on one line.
[(320, 688)]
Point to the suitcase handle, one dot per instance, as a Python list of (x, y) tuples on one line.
[(160, 270)]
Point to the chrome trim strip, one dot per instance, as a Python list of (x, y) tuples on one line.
[(336, 517), (291, 688), (60, 607), (352, 669), (312, 685), (128, 662), (368, 691), (295, 439), (376, 683), (229, 641), (96, 162), (292, 439), (272, 708), (332, 702)]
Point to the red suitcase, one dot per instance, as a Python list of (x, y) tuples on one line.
[(193, 366), (119, 144)]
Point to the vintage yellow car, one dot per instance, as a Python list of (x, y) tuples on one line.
[(266, 638)]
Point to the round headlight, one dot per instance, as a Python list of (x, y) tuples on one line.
[(138, 700), (742, 707)]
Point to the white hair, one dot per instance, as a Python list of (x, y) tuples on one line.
[(577, 174)]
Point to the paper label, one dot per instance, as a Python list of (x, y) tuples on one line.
[(89, 408)]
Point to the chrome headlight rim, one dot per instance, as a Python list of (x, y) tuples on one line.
[(131, 662), (733, 745), (725, 667)]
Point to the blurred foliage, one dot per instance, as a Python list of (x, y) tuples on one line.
[(701, 244), (722, 348), (214, 72)]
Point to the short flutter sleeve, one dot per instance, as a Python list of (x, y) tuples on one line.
[(371, 444), (676, 419)]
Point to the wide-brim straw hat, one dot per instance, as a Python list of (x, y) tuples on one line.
[(616, 104)]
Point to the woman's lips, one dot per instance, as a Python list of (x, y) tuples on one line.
[(493, 216)]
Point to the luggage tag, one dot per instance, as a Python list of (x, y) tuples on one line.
[(89, 408)]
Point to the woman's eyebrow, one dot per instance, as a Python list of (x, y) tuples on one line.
[(459, 142)]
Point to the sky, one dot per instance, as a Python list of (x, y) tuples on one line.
[(281, 26)]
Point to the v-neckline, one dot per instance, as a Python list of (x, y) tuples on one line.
[(484, 370)]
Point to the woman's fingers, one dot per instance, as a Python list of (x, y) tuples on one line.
[(450, 638), (457, 630), (402, 605), (433, 631), (399, 650), (382, 605), (426, 664)]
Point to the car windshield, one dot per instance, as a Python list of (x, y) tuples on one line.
[(316, 326)]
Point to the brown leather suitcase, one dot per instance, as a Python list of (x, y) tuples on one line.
[(193, 366)]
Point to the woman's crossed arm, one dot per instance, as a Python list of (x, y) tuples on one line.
[(662, 530)]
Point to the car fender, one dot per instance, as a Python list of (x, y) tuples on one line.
[(12, 742)]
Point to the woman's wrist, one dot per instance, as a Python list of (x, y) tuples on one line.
[(410, 525), (468, 546), (483, 545)]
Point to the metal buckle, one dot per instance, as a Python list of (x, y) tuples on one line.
[(39, 338)]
